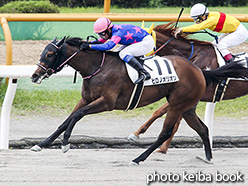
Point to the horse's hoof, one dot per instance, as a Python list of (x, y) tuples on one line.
[(134, 163), (161, 151), (36, 148), (65, 148), (205, 160), (133, 137)]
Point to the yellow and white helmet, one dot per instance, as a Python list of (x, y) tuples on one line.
[(198, 10)]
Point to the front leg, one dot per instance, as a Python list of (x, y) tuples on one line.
[(97, 106), (48, 141)]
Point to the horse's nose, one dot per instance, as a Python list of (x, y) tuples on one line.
[(35, 78)]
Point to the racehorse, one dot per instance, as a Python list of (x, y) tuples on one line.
[(106, 86), (203, 55)]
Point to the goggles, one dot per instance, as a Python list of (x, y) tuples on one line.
[(198, 19), (102, 33)]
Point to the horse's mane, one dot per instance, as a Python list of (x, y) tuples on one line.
[(166, 29), (74, 41)]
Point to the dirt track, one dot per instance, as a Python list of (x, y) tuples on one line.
[(110, 167)]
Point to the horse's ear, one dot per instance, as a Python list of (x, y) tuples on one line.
[(54, 39), (60, 42)]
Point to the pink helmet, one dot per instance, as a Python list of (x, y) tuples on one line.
[(102, 24)]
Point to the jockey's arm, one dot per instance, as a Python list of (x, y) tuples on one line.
[(209, 23), (106, 46)]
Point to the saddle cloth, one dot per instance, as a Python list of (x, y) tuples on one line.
[(160, 69)]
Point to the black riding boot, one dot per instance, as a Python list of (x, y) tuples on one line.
[(143, 74)]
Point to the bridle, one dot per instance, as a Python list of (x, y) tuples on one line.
[(49, 70)]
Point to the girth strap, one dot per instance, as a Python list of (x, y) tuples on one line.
[(220, 90)]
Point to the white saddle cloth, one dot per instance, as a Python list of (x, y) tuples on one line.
[(160, 69)]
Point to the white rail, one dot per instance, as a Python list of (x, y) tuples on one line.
[(13, 72)]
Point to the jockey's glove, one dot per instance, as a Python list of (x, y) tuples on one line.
[(177, 32), (84, 46)]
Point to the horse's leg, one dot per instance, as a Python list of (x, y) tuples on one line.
[(60, 129), (195, 123), (157, 114), (96, 106), (164, 147), (166, 132)]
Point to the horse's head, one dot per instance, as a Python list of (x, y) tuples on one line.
[(51, 60)]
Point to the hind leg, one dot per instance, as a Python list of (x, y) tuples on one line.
[(164, 147), (166, 132), (175, 110), (157, 114), (195, 123)]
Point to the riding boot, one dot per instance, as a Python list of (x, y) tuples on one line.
[(143, 74), (228, 58)]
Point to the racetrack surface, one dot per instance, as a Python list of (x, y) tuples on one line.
[(111, 167)]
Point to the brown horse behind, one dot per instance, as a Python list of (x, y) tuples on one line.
[(203, 55), (108, 87)]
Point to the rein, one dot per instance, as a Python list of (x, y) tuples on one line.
[(205, 32), (90, 76)]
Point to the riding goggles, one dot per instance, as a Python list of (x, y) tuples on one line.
[(102, 33), (198, 19)]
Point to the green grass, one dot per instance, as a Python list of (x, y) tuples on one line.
[(165, 10), (59, 103), (47, 102)]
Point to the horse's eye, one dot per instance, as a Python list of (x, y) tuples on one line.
[(49, 55)]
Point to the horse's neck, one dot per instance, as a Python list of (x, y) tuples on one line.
[(86, 62)]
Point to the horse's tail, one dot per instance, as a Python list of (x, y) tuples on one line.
[(231, 70)]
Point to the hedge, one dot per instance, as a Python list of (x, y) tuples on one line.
[(147, 3), (29, 7)]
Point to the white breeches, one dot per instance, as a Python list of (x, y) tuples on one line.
[(228, 40), (138, 49)]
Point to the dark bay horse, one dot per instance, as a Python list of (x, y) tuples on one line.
[(202, 55), (106, 87)]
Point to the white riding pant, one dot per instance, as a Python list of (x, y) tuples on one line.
[(228, 40), (138, 49)]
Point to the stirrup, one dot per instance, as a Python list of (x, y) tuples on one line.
[(141, 78), (230, 60)]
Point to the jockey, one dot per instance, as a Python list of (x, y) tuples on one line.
[(136, 40), (234, 33)]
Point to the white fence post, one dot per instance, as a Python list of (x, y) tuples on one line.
[(209, 120), (13, 72), (5, 114)]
